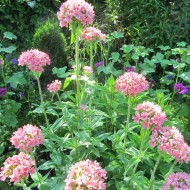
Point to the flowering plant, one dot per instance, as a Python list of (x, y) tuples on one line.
[(17, 167), (27, 137), (86, 175)]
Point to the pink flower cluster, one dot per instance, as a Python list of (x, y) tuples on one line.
[(17, 167), (75, 9), (177, 181), (54, 86), (87, 70), (35, 60), (27, 137), (170, 140), (131, 83), (86, 175), (92, 34), (149, 115)]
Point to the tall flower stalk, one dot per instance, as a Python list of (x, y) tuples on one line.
[(42, 101)]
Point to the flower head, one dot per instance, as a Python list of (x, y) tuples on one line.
[(180, 88), (87, 70), (3, 91), (83, 107), (86, 175), (169, 77), (1, 62), (54, 86), (35, 60), (17, 168), (7, 56), (131, 83), (75, 9), (129, 69), (27, 137), (92, 34), (149, 115), (14, 61), (177, 181), (170, 140), (98, 64)]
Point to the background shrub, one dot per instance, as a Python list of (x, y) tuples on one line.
[(151, 23)]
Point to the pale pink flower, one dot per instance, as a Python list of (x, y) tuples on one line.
[(86, 175), (131, 83), (170, 140), (27, 137), (149, 115), (87, 70), (35, 60), (54, 86), (92, 34), (17, 167), (177, 181), (72, 10), (83, 107)]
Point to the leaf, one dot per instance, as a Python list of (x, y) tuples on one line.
[(117, 35), (47, 165), (9, 49), (181, 44), (31, 4), (10, 119), (185, 76), (115, 56), (60, 72), (164, 48), (66, 82), (9, 35), (44, 186), (17, 78)]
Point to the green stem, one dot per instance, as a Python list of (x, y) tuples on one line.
[(33, 157), (91, 58), (42, 101), (143, 138), (172, 167), (77, 70), (154, 171), (23, 185), (127, 123)]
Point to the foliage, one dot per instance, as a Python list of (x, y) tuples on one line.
[(21, 17), (151, 23), (89, 118)]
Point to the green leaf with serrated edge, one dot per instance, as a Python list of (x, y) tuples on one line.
[(16, 79), (9, 49), (60, 72), (9, 35)]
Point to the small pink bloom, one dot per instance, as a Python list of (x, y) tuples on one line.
[(149, 115), (92, 34), (86, 175), (35, 60), (82, 107), (131, 83), (170, 140), (75, 10), (177, 181), (17, 167), (27, 137), (87, 70), (54, 86)]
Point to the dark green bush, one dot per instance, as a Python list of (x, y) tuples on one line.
[(151, 22), (21, 17), (49, 39)]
